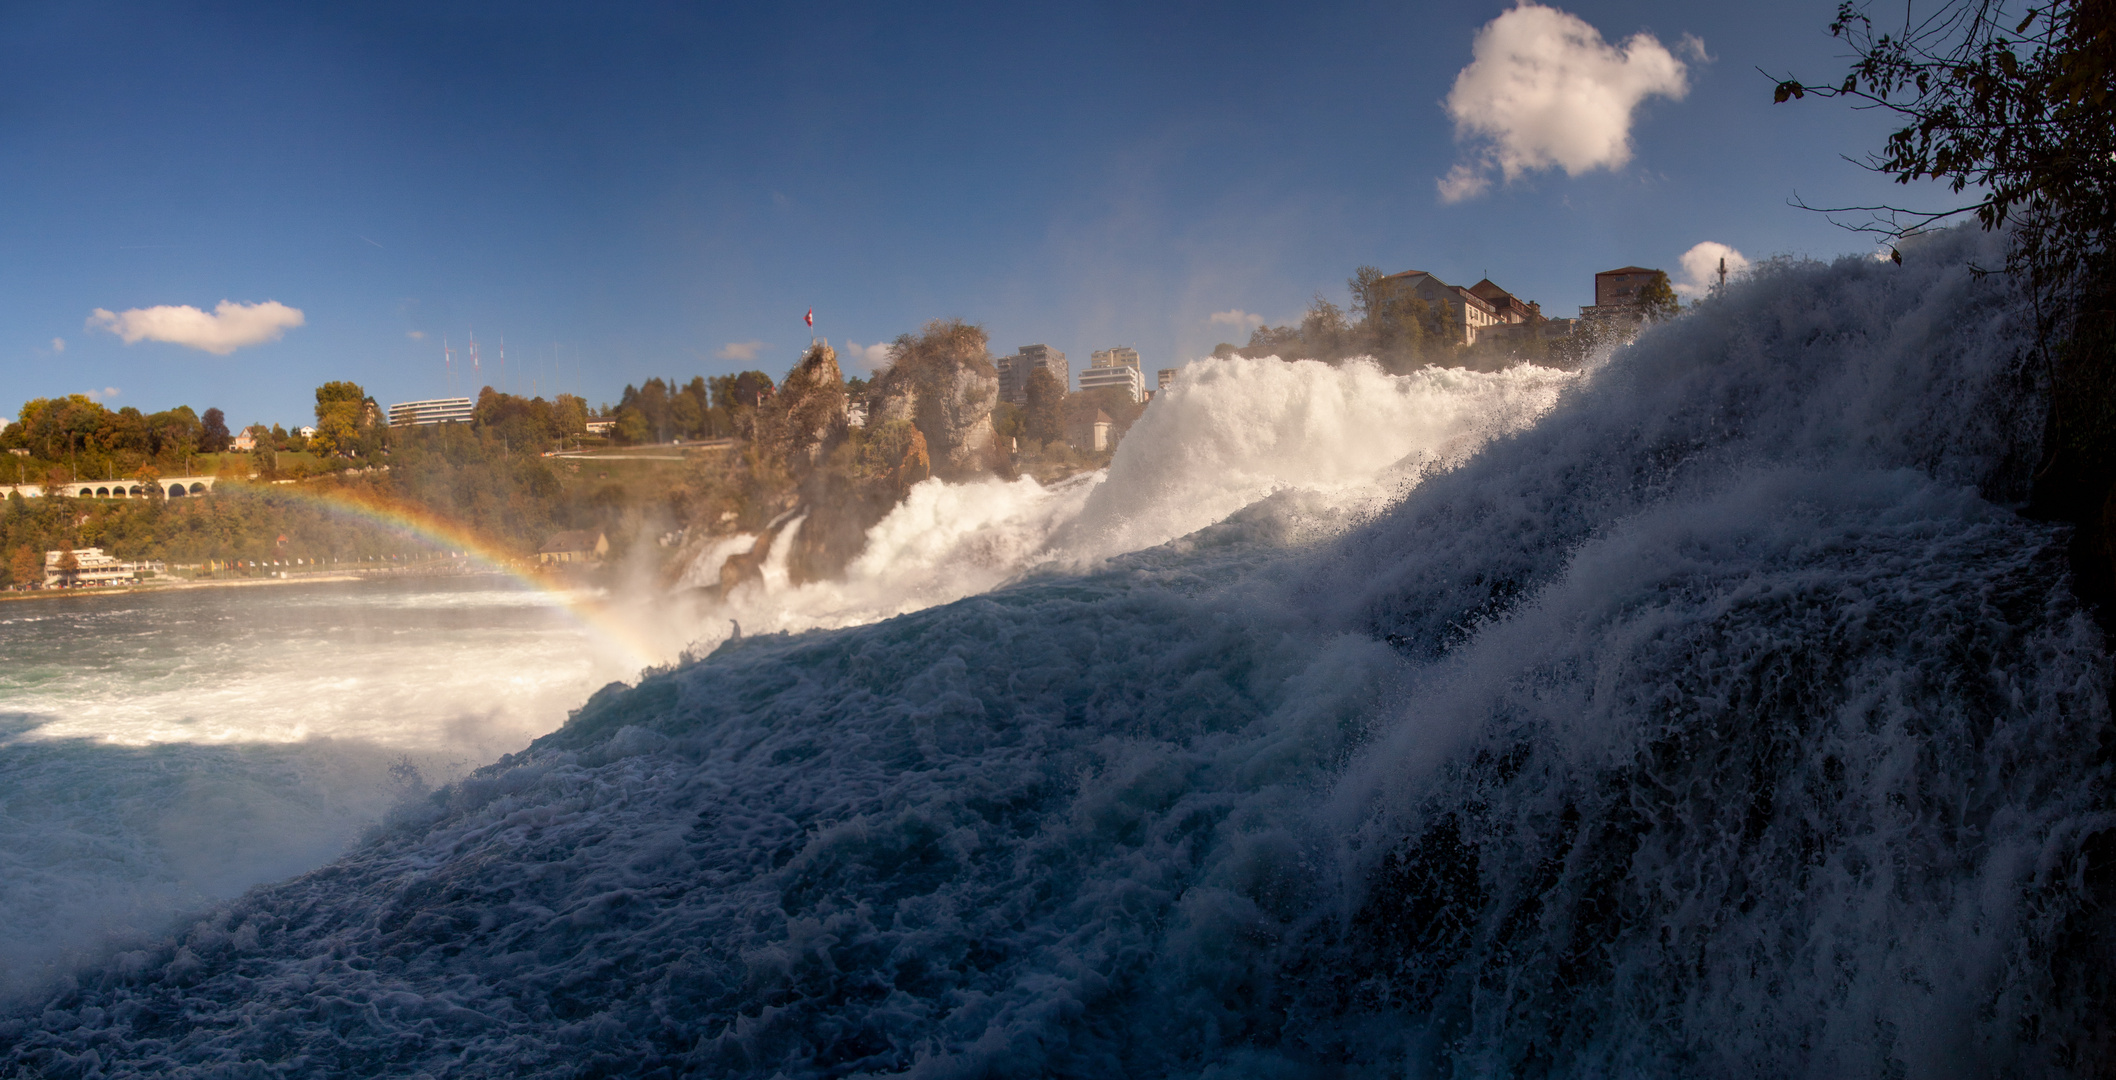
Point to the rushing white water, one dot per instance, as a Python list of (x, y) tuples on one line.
[(161, 751), (1723, 722), (1227, 434)]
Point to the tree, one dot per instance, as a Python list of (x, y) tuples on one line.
[(2014, 113), (69, 565), (25, 569), (1042, 420), (213, 436), (345, 418), (1656, 298)]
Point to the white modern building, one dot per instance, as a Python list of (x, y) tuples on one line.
[(454, 410), (94, 568), (1114, 367)]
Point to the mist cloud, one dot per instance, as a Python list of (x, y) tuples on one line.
[(231, 326), (1543, 90), (745, 351), (58, 344), (1701, 267)]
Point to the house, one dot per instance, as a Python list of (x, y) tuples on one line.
[(1468, 314), (245, 440), (574, 546), (1617, 296), (1621, 286)]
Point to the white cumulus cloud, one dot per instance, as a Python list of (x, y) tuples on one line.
[(866, 357), (744, 351), (229, 327), (1701, 267), (105, 394), (416, 335), (1543, 90), (1237, 318), (58, 344)]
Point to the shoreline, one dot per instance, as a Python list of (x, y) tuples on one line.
[(317, 578)]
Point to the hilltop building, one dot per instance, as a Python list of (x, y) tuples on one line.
[(1617, 295), (455, 410), (1014, 371), (1164, 378), (1117, 367), (1468, 314)]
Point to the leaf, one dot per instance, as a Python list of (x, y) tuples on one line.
[(1788, 89)]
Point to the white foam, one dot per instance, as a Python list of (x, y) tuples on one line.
[(1227, 434)]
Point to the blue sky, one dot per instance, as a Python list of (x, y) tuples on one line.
[(622, 191)]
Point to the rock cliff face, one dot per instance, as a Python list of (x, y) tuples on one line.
[(943, 382), (809, 412), (930, 415)]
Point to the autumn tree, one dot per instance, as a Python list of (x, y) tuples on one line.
[(25, 568)]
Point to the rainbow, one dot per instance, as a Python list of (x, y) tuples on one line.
[(593, 616)]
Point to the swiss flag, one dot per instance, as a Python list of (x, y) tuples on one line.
[(810, 318)]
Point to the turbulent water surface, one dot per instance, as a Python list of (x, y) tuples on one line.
[(160, 751), (1710, 713)]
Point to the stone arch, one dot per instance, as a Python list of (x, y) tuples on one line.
[(176, 491), (88, 493), (197, 488), (102, 493), (137, 492)]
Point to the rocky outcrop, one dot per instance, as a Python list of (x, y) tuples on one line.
[(808, 414), (943, 382)]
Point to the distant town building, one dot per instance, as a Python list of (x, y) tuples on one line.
[(94, 568), (856, 412), (1621, 286), (575, 546), (1467, 314), (1164, 378), (601, 425), (1014, 371), (455, 410), (308, 432), (1117, 367), (246, 439), (1617, 296), (1101, 428)]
